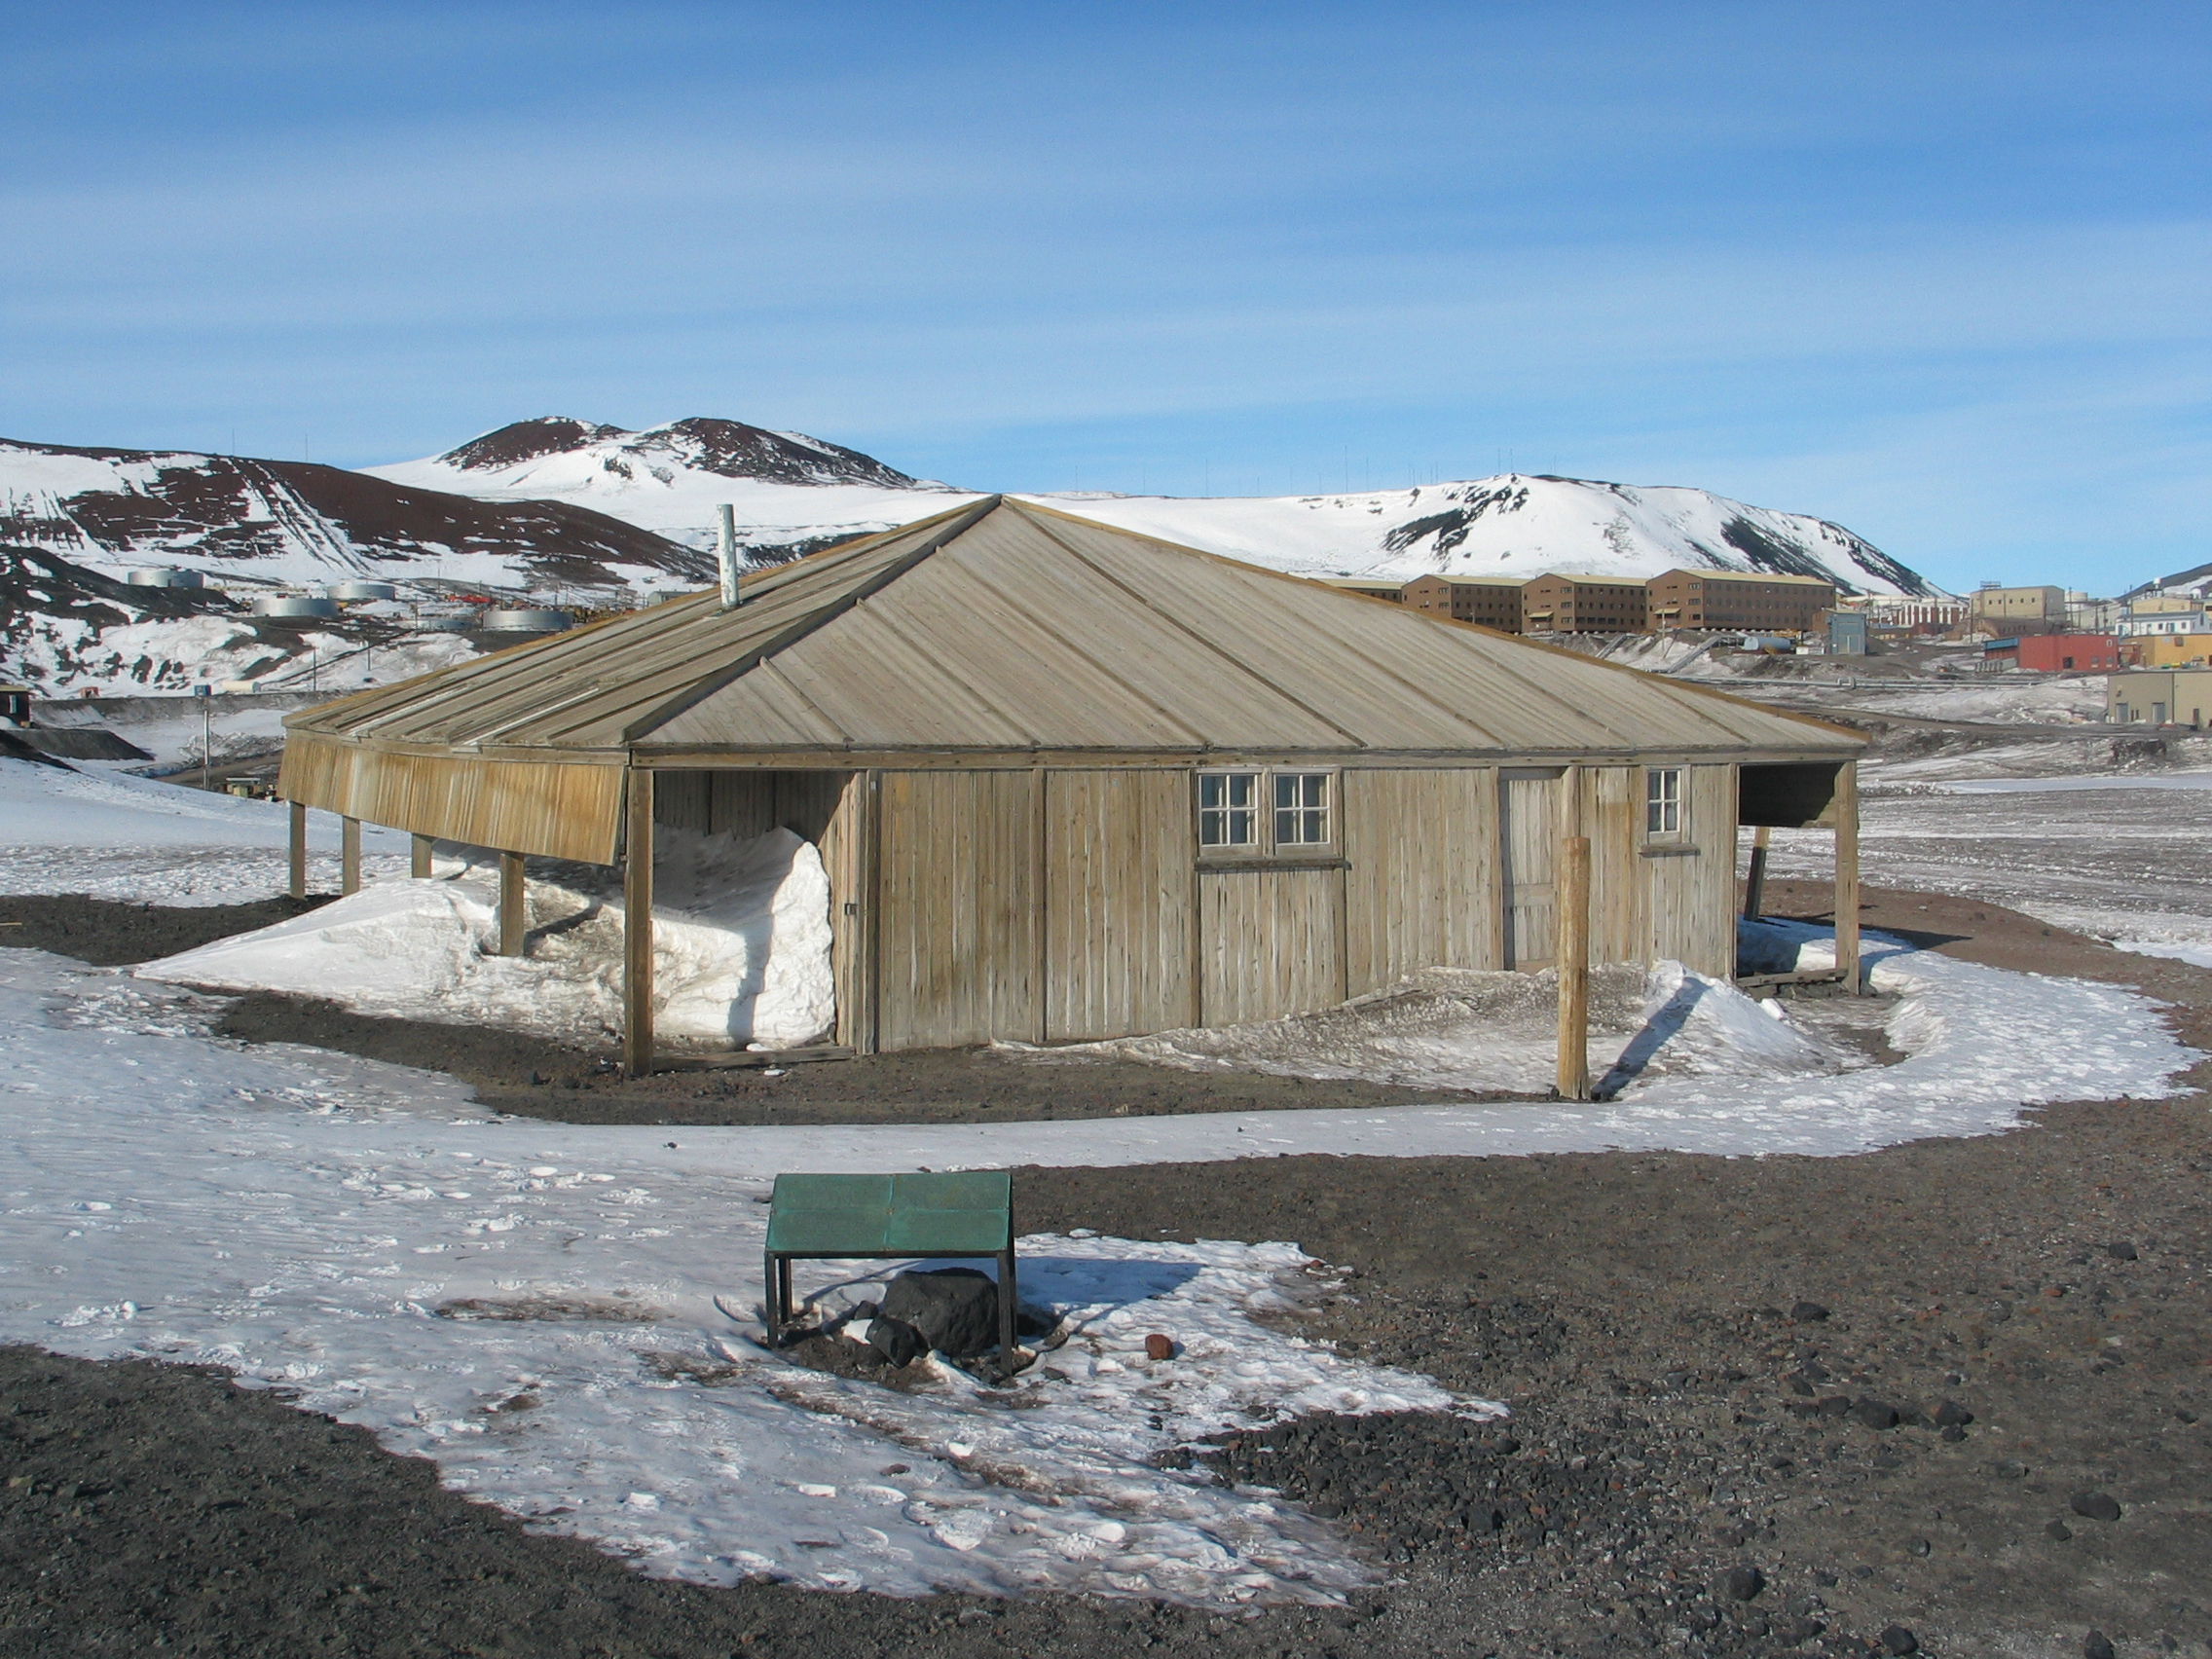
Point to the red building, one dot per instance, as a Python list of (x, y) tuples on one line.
[(2053, 653)]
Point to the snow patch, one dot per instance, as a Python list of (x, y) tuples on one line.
[(741, 947)]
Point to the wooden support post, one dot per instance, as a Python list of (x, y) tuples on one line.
[(637, 927), (299, 848), (1754, 883), (349, 854), (1572, 961), (514, 915), (418, 857), (1846, 809)]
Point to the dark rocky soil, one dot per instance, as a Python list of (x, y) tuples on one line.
[(536, 1078), (109, 933), (1729, 1381)]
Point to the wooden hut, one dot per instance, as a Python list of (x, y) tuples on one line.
[(1072, 782)]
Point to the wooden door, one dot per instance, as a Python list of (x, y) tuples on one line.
[(1529, 809), (1271, 941), (958, 947), (1117, 903)]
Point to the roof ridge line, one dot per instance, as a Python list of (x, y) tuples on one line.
[(1693, 690), (1176, 622), (956, 522)]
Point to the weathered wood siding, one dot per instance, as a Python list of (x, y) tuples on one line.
[(1612, 818), (1692, 898), (1422, 888), (844, 854), (1270, 942), (959, 922), (1119, 906), (1529, 841), (557, 810)]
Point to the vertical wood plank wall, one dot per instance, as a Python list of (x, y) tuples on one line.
[(1118, 903), (1421, 888), (958, 918), (844, 845), (1269, 942), (1527, 839), (1612, 818), (1068, 904), (1691, 900)]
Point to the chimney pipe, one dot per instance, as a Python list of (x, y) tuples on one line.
[(726, 552)]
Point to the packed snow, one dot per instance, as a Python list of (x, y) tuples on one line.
[(1462, 1028), (2122, 857), (741, 947), (565, 1317), (96, 830), (534, 1306)]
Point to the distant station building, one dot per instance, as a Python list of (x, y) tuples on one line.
[(1488, 601), (2165, 650), (2055, 653), (1072, 782), (2159, 697), (1738, 599), (1564, 604), (2014, 611)]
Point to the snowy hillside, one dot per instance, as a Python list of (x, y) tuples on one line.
[(68, 630), (792, 494), (1516, 526), (290, 522)]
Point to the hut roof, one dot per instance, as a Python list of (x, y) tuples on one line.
[(1004, 627)]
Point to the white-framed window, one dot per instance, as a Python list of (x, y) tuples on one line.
[(1259, 813), (1229, 810), (1302, 809), (1663, 803)]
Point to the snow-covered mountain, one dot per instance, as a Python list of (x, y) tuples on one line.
[(289, 521), (1516, 526), (791, 494)]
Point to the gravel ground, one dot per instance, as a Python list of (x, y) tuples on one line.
[(1952, 1397), (108, 933)]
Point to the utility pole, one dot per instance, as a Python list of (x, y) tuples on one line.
[(206, 696)]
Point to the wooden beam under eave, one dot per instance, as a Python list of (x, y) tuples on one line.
[(638, 926), (298, 858), (1845, 810), (514, 915), (350, 855)]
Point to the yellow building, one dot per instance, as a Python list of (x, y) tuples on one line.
[(2167, 651)]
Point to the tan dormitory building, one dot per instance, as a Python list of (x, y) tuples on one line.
[(1488, 601), (1738, 599), (1562, 604), (2017, 604)]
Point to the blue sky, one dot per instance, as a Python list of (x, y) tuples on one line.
[(1939, 272)]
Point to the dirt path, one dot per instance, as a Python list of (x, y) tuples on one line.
[(1702, 1355)]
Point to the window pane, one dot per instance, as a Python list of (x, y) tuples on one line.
[(1302, 809), (1225, 815), (1663, 801)]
